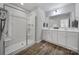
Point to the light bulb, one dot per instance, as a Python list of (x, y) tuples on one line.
[(21, 3)]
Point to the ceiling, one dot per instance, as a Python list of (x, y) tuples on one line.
[(44, 6)]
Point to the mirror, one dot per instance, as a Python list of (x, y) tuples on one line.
[(60, 21)]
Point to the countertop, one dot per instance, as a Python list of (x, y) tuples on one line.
[(63, 29)]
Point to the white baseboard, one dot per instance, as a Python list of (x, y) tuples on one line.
[(15, 47), (38, 41), (19, 50)]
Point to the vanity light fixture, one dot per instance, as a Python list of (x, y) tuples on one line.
[(55, 12), (58, 11)]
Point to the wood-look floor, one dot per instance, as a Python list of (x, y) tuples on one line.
[(46, 48)]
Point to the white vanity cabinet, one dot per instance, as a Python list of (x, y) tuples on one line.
[(72, 40), (46, 35), (62, 38), (54, 36), (50, 36), (65, 38)]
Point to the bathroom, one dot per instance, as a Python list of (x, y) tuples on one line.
[(28, 24)]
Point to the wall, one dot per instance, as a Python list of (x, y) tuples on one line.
[(77, 12), (40, 18), (1, 5)]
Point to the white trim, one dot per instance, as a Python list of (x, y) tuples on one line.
[(15, 47), (38, 41)]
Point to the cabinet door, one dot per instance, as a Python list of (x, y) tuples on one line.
[(46, 35), (72, 40), (50, 36), (54, 36), (62, 38)]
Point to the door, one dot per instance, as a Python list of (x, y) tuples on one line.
[(31, 29)]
